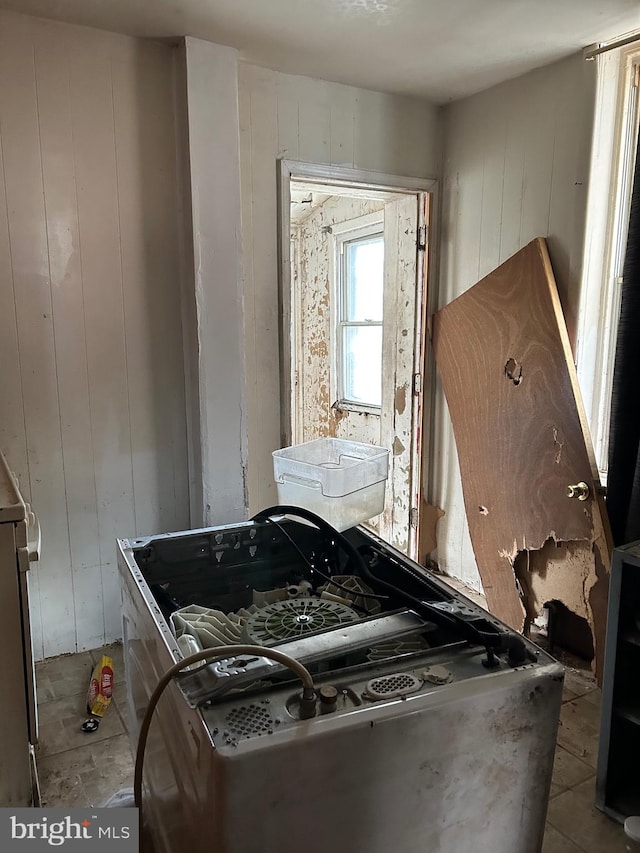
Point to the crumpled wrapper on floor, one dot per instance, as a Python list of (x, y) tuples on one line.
[(100, 687)]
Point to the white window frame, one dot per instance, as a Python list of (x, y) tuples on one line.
[(611, 184), (370, 225)]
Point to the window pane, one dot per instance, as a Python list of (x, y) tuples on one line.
[(362, 352), (365, 276)]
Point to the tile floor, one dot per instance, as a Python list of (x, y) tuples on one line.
[(75, 768), (78, 769)]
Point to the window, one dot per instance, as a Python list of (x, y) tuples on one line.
[(359, 316), (611, 179), (612, 291)]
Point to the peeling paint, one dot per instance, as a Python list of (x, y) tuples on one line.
[(338, 413), (319, 348), (401, 399), (398, 446), (318, 419), (317, 388), (428, 541)]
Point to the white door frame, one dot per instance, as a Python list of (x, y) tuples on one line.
[(358, 179)]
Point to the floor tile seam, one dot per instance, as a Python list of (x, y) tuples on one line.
[(566, 837), (61, 698), (582, 694), (43, 755), (579, 757), (575, 698), (570, 838), (121, 714), (41, 759), (123, 734), (69, 696), (562, 790), (591, 778), (587, 767)]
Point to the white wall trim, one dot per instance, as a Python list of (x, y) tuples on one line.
[(362, 178)]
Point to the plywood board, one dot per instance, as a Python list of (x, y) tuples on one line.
[(506, 366)]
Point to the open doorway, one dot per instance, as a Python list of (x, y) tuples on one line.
[(354, 296)]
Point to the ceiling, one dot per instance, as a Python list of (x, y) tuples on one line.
[(438, 49)]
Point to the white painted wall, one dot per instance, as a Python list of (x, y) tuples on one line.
[(92, 387), (297, 118), (92, 412), (93, 417), (516, 166)]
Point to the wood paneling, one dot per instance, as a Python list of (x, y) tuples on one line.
[(302, 119), (515, 166), (33, 311), (61, 195), (504, 357), (92, 389)]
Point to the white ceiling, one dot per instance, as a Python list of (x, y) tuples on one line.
[(439, 49)]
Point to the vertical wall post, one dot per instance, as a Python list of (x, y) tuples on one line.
[(209, 154)]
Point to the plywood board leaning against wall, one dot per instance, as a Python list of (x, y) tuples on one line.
[(507, 371)]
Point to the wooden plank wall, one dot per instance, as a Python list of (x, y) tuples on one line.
[(92, 414), (516, 167), (297, 118)]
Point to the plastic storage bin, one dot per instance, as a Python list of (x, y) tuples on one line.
[(341, 481)]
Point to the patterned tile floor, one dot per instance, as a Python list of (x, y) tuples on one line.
[(77, 769)]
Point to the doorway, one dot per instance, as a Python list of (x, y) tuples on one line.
[(353, 274)]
